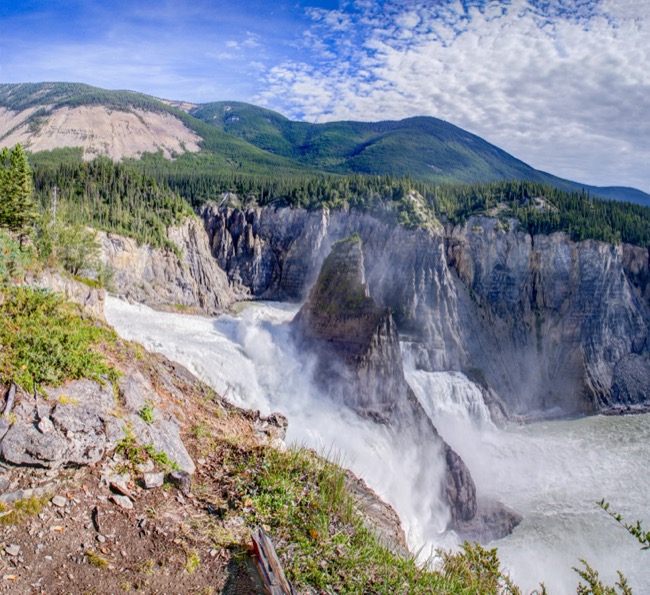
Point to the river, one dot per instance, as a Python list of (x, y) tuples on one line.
[(553, 473)]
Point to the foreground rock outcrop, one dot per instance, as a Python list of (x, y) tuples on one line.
[(359, 363), (543, 321), (80, 423)]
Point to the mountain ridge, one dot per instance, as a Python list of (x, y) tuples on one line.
[(241, 137)]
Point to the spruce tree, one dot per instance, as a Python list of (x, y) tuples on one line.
[(4, 187), (17, 209)]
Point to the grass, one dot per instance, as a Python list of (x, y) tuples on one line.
[(324, 545), (47, 341), (146, 413), (95, 559), (16, 514), (192, 562), (136, 453), (160, 457)]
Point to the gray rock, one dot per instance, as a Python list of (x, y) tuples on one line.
[(182, 480), (153, 480), (164, 433), (74, 427), (359, 363), (120, 488), (91, 299), (45, 426), (59, 501), (9, 497), (4, 484), (25, 445), (544, 320), (164, 436), (631, 381), (122, 501), (146, 467), (160, 278), (136, 391), (12, 550)]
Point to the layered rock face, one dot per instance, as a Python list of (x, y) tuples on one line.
[(359, 363), (544, 322), (161, 279)]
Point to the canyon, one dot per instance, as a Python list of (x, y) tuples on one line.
[(547, 326), (543, 327)]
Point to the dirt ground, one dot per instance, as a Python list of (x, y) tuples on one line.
[(93, 545)]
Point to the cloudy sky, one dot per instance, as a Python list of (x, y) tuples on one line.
[(562, 84)]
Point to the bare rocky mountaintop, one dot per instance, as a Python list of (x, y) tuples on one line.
[(99, 130)]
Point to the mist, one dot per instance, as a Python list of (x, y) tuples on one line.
[(553, 473)]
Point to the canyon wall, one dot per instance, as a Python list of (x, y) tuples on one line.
[(556, 327), (188, 281)]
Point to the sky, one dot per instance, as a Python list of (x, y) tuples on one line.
[(563, 85)]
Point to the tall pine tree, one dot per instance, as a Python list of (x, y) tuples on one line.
[(17, 209)]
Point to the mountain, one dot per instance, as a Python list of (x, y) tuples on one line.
[(425, 148), (243, 138)]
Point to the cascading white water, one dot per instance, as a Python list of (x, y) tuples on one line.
[(250, 359), (447, 397), (553, 473)]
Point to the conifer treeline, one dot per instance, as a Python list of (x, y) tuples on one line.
[(540, 208), (110, 196), (131, 200)]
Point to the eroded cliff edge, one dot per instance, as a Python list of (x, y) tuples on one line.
[(555, 327)]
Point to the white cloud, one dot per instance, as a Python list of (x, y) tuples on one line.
[(563, 84)]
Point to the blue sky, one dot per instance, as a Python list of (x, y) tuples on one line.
[(562, 84)]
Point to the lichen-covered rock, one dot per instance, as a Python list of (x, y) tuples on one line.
[(77, 424), (162, 431), (73, 426)]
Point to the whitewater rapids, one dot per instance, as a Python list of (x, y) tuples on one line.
[(553, 473)]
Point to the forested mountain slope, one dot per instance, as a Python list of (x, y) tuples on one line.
[(234, 137)]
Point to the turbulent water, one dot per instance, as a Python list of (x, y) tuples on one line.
[(553, 473)]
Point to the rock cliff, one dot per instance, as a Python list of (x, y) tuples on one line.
[(162, 279), (359, 363), (543, 321)]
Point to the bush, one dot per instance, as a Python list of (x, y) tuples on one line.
[(74, 247)]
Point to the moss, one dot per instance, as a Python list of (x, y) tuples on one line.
[(20, 510)]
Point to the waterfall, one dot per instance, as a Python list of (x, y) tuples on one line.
[(446, 396), (551, 472)]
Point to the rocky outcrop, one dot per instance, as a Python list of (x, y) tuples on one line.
[(359, 363), (80, 423), (188, 281), (91, 299), (543, 321)]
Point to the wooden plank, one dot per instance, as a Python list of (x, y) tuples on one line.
[(268, 565), (9, 403)]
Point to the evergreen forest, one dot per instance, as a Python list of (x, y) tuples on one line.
[(141, 198)]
